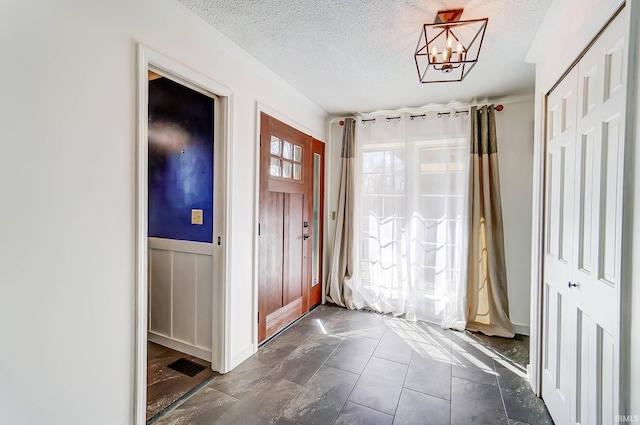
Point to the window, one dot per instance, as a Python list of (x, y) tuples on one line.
[(286, 159), (412, 213)]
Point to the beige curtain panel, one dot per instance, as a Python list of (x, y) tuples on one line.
[(341, 278), (488, 310)]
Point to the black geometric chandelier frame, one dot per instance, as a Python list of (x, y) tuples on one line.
[(448, 49)]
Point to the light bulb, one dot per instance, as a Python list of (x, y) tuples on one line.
[(447, 55)]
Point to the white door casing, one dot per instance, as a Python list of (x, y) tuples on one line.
[(223, 101), (584, 160)]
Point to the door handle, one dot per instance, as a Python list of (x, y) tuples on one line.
[(572, 285), (305, 237)]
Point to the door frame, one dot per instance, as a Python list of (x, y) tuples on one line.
[(148, 59), (264, 108)]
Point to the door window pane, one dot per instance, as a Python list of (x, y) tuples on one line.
[(276, 145), (286, 169), (286, 159), (287, 150), (297, 172), (274, 170), (297, 153)]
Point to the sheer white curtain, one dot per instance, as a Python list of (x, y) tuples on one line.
[(412, 203)]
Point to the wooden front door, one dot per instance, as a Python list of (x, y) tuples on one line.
[(284, 226)]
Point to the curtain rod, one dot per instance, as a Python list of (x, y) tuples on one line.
[(498, 108)]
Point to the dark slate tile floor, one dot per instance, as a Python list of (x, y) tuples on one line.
[(341, 367)]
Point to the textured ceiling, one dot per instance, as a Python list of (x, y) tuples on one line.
[(357, 55)]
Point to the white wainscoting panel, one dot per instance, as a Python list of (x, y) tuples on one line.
[(204, 295), (160, 273), (180, 295)]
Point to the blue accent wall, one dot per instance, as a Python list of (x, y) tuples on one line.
[(180, 161)]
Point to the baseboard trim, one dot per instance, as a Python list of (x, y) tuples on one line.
[(243, 355), (198, 352), (521, 329)]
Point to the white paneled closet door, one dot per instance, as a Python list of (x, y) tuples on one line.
[(585, 144), (559, 339)]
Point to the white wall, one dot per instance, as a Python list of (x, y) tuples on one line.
[(514, 126), (67, 193)]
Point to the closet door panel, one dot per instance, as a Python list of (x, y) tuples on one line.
[(598, 231), (611, 192), (559, 337), (598, 215)]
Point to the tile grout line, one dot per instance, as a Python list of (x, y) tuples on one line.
[(476, 382), (400, 395), (404, 380), (360, 376), (325, 362), (504, 406), (368, 407), (451, 377)]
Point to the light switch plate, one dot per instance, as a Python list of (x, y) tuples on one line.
[(196, 216)]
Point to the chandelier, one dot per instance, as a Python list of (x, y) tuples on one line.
[(449, 48)]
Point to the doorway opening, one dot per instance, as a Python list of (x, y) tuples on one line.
[(181, 230)]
